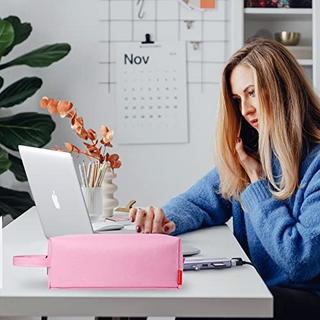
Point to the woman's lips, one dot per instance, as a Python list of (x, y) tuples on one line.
[(254, 122)]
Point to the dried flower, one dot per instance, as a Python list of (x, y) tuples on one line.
[(94, 147), (64, 107), (107, 136), (72, 148), (114, 160)]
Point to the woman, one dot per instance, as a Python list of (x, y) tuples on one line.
[(267, 176)]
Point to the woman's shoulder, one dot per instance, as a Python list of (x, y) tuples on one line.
[(311, 162), (313, 153)]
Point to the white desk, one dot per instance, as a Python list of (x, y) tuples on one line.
[(231, 292)]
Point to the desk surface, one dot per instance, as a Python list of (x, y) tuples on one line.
[(231, 292)]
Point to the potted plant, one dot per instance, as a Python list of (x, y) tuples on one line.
[(27, 128), (97, 171)]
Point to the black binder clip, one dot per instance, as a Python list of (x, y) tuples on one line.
[(148, 39)]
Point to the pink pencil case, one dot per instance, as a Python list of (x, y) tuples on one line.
[(110, 261)]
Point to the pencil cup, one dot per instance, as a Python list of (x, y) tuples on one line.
[(93, 198)]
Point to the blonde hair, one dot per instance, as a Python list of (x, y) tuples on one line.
[(289, 118)]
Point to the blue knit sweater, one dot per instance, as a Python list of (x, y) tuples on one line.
[(282, 238)]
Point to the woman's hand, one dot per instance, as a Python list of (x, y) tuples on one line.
[(151, 220), (252, 167)]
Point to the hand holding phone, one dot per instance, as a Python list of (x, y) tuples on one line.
[(250, 138), (247, 149)]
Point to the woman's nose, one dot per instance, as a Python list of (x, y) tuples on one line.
[(246, 108)]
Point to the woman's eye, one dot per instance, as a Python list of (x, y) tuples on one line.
[(252, 93)]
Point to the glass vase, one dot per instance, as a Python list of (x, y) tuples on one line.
[(93, 200)]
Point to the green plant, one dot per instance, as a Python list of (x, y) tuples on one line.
[(27, 128)]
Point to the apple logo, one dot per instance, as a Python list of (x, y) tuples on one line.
[(55, 200)]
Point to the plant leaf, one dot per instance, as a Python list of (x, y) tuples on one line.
[(17, 168), (4, 161), (1, 82), (19, 91), (14, 202), (21, 31), (6, 35), (28, 128), (41, 57)]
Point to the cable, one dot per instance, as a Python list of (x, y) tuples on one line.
[(241, 262)]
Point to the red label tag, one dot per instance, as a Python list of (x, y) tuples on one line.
[(180, 277)]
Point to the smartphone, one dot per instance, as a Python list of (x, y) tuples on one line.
[(250, 137)]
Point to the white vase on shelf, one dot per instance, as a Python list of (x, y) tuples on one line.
[(109, 202)]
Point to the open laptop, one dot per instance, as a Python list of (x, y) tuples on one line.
[(57, 193)]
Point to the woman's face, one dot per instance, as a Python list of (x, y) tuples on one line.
[(243, 91)]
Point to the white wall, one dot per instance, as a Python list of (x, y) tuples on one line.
[(151, 174)]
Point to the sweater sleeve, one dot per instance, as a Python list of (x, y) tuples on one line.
[(200, 206), (292, 242)]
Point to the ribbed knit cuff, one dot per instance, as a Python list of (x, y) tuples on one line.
[(172, 218), (254, 193)]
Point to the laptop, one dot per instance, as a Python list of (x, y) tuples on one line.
[(59, 201), (57, 193)]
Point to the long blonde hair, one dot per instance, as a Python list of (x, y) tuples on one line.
[(289, 118)]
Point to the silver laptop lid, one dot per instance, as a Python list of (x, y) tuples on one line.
[(56, 191)]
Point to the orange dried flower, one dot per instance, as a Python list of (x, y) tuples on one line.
[(92, 149), (52, 106), (92, 134), (44, 102), (73, 118), (72, 148), (71, 113), (64, 107), (113, 157), (104, 130), (114, 161), (82, 133), (77, 123), (107, 136)]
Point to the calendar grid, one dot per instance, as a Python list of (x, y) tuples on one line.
[(151, 93), (184, 27)]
